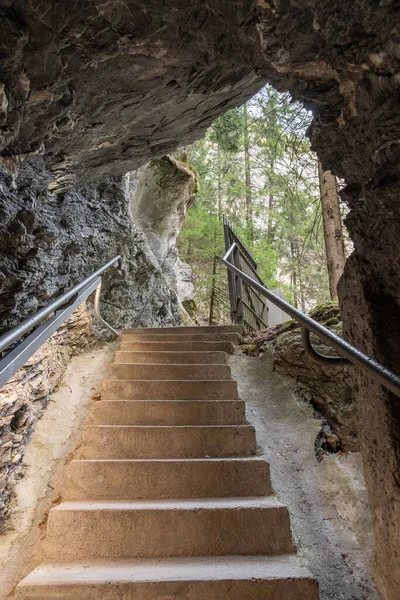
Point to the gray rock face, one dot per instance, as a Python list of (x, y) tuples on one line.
[(160, 196), (100, 88), (50, 242)]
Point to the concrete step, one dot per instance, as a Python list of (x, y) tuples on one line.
[(127, 442), (209, 358), (207, 329), (169, 412), (79, 531), (181, 337), (163, 479), (180, 346), (204, 578), (164, 372), (114, 389)]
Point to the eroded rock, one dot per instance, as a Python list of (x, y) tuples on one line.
[(49, 242), (160, 195), (101, 88)]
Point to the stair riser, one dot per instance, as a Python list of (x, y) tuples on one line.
[(147, 346), (210, 358), (207, 329), (171, 372), (114, 389), (169, 479), (168, 442), (75, 535), (273, 589), (182, 337), (160, 412)]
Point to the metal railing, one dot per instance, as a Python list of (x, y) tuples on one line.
[(349, 354), (247, 306), (47, 320)]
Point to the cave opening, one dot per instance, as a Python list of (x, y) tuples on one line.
[(93, 91)]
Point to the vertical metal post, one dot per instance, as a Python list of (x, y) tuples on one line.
[(238, 284), (231, 277)]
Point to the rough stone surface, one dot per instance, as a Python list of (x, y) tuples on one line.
[(325, 387), (49, 242), (160, 197), (24, 398), (100, 88)]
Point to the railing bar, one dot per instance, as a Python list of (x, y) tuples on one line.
[(258, 296), (231, 276), (19, 330), (242, 246), (254, 271), (254, 313), (15, 359), (323, 358), (251, 306), (381, 373)]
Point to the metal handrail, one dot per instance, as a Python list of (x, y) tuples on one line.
[(351, 355), (53, 314)]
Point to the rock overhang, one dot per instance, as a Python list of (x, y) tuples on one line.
[(100, 88)]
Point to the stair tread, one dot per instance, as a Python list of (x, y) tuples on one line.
[(172, 504), (169, 400), (164, 352), (177, 426), (194, 381), (170, 569), (175, 344), (239, 459), (206, 328), (174, 365)]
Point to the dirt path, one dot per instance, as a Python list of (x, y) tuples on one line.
[(54, 438), (327, 500)]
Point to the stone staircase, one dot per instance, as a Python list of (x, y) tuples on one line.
[(167, 499)]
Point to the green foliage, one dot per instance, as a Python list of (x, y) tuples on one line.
[(227, 131), (328, 313), (285, 232)]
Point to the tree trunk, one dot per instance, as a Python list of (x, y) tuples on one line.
[(212, 295), (247, 171), (333, 228), (300, 279), (294, 276), (219, 183), (271, 206)]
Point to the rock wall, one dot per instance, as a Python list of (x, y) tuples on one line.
[(160, 196), (101, 88), (51, 241)]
